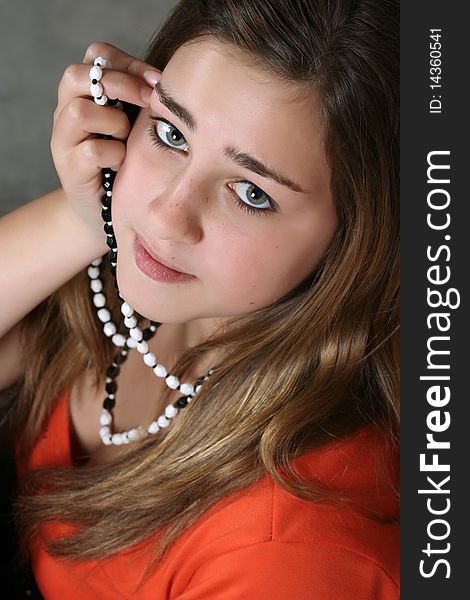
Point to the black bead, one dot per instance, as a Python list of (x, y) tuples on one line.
[(107, 184), (109, 403), (106, 214), (111, 387), (110, 172), (113, 255), (112, 371), (113, 271), (106, 201), (108, 229), (181, 402), (147, 334), (120, 358), (111, 241)]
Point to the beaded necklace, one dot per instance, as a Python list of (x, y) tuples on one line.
[(138, 338)]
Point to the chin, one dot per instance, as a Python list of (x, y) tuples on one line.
[(157, 309)]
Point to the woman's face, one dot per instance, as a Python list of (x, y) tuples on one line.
[(204, 207)]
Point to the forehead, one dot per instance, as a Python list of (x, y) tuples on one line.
[(220, 65)]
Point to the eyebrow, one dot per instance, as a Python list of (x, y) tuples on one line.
[(240, 158)]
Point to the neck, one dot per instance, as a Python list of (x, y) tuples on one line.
[(174, 339)]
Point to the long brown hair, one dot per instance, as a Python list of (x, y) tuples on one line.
[(317, 364)]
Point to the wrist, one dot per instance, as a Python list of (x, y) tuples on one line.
[(88, 240)]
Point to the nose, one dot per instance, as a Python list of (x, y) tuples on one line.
[(176, 213)]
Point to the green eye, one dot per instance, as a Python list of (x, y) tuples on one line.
[(251, 195), (166, 135)]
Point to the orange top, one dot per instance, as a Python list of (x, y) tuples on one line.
[(266, 545)]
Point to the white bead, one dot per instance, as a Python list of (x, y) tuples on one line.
[(117, 439), (107, 440), (96, 285), (136, 334), (172, 382), (127, 310), (96, 90), (142, 347), (109, 193), (106, 418), (93, 272), (187, 389), (109, 329), (150, 359), (102, 100), (153, 427), (99, 300), (170, 411), (104, 431), (130, 322), (125, 438), (119, 340), (198, 387), (97, 261), (160, 371), (131, 343), (103, 62), (163, 421), (104, 315), (133, 434), (96, 72)]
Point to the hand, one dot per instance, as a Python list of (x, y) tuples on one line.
[(78, 152)]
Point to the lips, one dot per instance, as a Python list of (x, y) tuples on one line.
[(158, 258), (156, 267)]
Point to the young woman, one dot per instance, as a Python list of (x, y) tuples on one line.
[(236, 435)]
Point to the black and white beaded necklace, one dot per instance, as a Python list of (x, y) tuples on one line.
[(138, 338)]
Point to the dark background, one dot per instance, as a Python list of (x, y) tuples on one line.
[(38, 39), (422, 133)]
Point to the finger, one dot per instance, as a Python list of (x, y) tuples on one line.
[(81, 118), (99, 154), (116, 84), (121, 61)]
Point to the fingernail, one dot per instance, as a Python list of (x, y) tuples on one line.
[(145, 94), (151, 77)]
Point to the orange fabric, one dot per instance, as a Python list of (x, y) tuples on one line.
[(266, 545)]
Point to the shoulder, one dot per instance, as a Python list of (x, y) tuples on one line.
[(265, 542), (274, 570)]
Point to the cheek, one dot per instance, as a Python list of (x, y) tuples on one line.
[(131, 185), (256, 271), (253, 273)]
